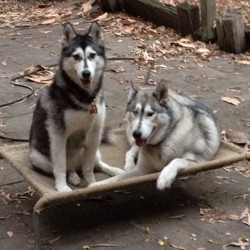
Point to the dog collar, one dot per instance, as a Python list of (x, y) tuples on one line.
[(93, 109)]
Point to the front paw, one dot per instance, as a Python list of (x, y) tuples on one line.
[(164, 181), (63, 188), (74, 178)]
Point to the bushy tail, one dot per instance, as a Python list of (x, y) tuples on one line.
[(108, 135)]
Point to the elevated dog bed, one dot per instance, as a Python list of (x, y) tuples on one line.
[(114, 155)]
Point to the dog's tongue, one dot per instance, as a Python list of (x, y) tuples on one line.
[(86, 84), (140, 142)]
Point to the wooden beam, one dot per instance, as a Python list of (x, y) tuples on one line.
[(208, 12), (189, 18), (149, 10), (231, 33)]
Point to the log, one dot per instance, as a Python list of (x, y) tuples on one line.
[(189, 18), (231, 33), (149, 10)]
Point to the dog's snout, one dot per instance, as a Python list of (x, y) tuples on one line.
[(137, 134), (86, 73)]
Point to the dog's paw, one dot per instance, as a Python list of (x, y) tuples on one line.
[(63, 188), (165, 180), (74, 178)]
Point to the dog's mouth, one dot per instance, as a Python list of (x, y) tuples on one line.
[(140, 142), (86, 83)]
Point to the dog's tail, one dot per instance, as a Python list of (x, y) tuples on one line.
[(108, 135)]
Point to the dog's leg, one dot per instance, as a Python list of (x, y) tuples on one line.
[(105, 168), (73, 164), (126, 175), (142, 168), (88, 162), (169, 173), (58, 157), (131, 156)]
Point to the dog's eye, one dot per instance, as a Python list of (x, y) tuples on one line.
[(76, 57), (135, 112), (149, 114), (92, 55)]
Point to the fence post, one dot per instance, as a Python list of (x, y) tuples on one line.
[(208, 12)]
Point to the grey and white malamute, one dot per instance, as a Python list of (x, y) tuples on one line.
[(69, 116), (167, 133)]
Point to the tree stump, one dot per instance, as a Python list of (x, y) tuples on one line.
[(189, 18), (231, 33)]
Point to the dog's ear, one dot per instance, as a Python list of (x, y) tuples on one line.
[(68, 34), (132, 91), (161, 92), (96, 33)]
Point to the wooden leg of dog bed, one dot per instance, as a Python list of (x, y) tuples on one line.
[(36, 220)]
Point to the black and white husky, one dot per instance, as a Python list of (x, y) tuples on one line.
[(68, 120), (167, 132)]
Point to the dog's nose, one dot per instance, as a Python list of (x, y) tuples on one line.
[(137, 134), (86, 73)]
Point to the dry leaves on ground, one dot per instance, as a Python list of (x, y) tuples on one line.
[(39, 74), (8, 198)]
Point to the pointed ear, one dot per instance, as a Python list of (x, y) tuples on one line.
[(161, 92), (68, 34), (132, 91), (96, 33)]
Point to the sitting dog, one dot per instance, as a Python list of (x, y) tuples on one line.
[(69, 116)]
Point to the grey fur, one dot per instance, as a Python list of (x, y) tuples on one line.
[(167, 133)]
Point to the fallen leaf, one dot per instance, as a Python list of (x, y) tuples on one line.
[(177, 247), (236, 137), (231, 100), (10, 234), (177, 216), (49, 21), (66, 15), (40, 79), (4, 217), (185, 43), (242, 245), (104, 245), (54, 240), (101, 17), (87, 6), (117, 69), (202, 51), (245, 62), (85, 247), (161, 243)]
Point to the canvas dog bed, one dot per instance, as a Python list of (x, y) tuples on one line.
[(114, 155)]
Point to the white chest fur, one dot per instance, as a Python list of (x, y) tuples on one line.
[(83, 120)]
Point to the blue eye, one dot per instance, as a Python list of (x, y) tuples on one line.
[(77, 57)]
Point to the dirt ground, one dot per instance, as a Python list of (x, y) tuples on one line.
[(206, 211)]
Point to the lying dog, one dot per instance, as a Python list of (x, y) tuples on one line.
[(167, 133)]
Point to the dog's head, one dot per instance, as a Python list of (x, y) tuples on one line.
[(149, 114), (83, 56)]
